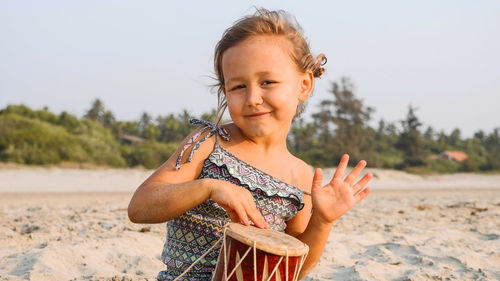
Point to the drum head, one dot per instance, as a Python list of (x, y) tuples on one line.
[(268, 240)]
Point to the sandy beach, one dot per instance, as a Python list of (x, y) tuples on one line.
[(70, 224)]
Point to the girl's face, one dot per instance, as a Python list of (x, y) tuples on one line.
[(263, 86)]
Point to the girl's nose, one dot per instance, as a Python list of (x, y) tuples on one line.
[(254, 96)]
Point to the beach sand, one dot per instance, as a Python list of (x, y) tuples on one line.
[(64, 224)]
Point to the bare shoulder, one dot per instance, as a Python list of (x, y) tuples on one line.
[(304, 172), (298, 223), (189, 170)]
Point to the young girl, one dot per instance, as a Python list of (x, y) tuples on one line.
[(243, 171)]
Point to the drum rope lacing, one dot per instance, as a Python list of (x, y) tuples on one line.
[(226, 277)]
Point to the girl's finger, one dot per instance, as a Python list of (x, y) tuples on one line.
[(354, 174), (362, 195), (339, 172), (252, 212), (317, 178), (242, 215), (233, 216), (257, 218), (361, 183)]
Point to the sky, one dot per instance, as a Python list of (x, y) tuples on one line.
[(157, 56)]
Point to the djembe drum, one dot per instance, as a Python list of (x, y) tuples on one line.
[(250, 254)]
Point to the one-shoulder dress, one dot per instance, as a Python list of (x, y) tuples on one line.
[(190, 235)]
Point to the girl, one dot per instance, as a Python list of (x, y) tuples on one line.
[(265, 73)]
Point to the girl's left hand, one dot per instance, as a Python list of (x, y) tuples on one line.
[(333, 200)]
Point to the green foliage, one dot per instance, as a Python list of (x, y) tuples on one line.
[(410, 140), (444, 166), (390, 160), (31, 141), (99, 114), (470, 165), (40, 137), (303, 143), (342, 126), (148, 154), (477, 155), (128, 128), (28, 141), (96, 111), (22, 110)]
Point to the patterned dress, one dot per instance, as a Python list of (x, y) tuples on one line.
[(190, 235)]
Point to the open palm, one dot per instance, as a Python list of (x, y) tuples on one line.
[(333, 200)]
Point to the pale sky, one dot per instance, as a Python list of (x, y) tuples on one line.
[(156, 56)]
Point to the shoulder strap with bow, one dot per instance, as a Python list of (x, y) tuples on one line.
[(207, 126)]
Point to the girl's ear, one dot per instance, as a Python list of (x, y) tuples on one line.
[(306, 86)]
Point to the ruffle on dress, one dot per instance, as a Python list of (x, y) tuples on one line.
[(255, 178)]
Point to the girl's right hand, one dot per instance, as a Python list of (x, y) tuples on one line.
[(238, 203)]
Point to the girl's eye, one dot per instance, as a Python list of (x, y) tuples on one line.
[(268, 82), (238, 87)]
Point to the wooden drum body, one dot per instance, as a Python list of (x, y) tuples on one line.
[(252, 254)]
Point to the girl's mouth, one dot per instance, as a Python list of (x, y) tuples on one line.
[(257, 114)]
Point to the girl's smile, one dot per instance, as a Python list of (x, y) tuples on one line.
[(255, 115)]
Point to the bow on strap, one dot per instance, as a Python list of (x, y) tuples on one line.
[(211, 127)]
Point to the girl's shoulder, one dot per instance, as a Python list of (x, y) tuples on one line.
[(186, 162), (303, 171)]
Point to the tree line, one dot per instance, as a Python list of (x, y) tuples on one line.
[(340, 124)]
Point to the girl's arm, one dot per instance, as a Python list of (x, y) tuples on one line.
[(157, 201), (329, 203), (168, 192)]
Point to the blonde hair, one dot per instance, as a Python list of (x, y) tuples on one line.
[(265, 22)]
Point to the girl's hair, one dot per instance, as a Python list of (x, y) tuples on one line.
[(265, 22)]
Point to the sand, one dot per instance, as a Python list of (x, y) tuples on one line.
[(64, 224)]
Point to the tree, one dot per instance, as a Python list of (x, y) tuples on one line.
[(128, 128), (175, 128), (108, 119), (410, 140), (147, 129), (429, 133), (323, 120), (209, 116), (143, 124), (454, 137), (479, 135), (96, 111), (169, 129), (349, 117), (185, 128), (492, 145), (303, 142)]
